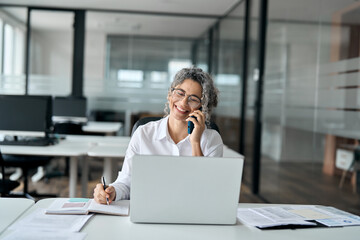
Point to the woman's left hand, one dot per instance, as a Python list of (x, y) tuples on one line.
[(199, 126)]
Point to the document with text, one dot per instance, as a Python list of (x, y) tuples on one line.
[(39, 221), (296, 215)]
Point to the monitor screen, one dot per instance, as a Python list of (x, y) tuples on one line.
[(69, 109), (25, 115)]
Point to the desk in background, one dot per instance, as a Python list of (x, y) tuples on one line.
[(113, 227), (76, 151), (106, 128), (79, 148), (11, 209)]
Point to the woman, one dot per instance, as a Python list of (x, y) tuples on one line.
[(191, 97)]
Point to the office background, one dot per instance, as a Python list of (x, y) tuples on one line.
[(287, 71)]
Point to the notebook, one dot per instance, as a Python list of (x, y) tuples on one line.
[(187, 190), (86, 206)]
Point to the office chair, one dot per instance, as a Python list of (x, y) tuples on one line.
[(70, 128), (67, 128), (6, 185), (26, 163), (145, 120)]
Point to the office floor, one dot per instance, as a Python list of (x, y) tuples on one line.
[(299, 183)]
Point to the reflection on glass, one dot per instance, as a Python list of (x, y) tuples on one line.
[(51, 52), (159, 77), (12, 50), (228, 79), (175, 65), (310, 107), (9, 49), (130, 75), (228, 75)]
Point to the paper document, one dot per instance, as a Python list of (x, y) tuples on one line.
[(85, 206), (39, 221), (270, 217), (36, 235), (301, 215)]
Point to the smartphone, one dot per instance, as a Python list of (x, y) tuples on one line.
[(190, 126)]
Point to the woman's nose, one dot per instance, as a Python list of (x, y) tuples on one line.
[(185, 100)]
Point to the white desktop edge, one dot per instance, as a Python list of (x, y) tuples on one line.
[(22, 133), (62, 119)]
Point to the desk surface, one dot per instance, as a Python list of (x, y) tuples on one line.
[(11, 209), (102, 127), (113, 227), (64, 148), (99, 140), (107, 151), (72, 146)]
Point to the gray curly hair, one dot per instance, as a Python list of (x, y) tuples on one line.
[(209, 98)]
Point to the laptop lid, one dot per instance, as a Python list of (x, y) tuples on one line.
[(189, 190)]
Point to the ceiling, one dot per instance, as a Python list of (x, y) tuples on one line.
[(171, 18), (199, 7)]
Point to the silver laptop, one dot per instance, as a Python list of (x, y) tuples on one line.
[(188, 190)]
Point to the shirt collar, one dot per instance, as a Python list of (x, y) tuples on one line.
[(163, 131)]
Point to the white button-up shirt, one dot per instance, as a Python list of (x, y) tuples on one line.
[(153, 138)]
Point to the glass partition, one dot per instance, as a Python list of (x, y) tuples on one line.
[(311, 107), (228, 77), (202, 52), (12, 50), (51, 52), (131, 59)]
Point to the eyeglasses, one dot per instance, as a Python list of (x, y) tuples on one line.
[(179, 95)]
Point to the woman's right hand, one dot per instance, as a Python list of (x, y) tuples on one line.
[(100, 194)]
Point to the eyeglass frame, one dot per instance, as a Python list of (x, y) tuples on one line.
[(189, 97)]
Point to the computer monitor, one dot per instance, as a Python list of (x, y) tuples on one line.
[(25, 115), (69, 109)]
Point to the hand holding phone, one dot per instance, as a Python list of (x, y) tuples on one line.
[(190, 125)]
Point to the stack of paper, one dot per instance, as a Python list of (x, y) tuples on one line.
[(296, 215), (59, 225)]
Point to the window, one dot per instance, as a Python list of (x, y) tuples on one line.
[(130, 75), (175, 65), (158, 77), (8, 50), (228, 79), (19, 52)]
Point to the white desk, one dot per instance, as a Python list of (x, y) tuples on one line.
[(116, 227), (11, 209), (110, 148), (100, 140), (107, 128), (228, 152), (77, 148)]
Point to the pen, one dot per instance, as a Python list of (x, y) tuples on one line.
[(103, 181)]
